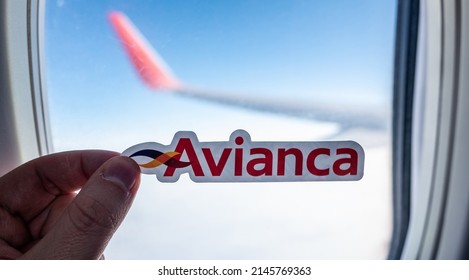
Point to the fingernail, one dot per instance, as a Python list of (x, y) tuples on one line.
[(122, 171)]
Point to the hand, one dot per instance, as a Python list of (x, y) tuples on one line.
[(42, 217)]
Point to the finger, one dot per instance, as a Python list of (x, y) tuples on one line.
[(88, 223), (45, 221), (7, 252), (15, 232), (30, 188)]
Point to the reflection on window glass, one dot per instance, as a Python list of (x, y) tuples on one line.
[(335, 55)]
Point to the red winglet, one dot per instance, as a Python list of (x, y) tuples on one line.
[(147, 62)]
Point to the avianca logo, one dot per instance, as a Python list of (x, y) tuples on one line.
[(242, 160)]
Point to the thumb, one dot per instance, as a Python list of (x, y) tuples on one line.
[(90, 220)]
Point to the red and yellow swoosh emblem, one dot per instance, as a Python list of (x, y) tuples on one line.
[(158, 158)]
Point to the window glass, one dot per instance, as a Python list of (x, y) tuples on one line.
[(337, 55)]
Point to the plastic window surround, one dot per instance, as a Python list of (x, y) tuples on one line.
[(22, 53), (404, 75), (438, 222)]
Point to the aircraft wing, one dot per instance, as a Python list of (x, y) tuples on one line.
[(156, 74)]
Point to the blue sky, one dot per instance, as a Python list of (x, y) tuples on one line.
[(339, 52), (294, 46)]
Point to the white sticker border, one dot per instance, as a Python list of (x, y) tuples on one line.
[(241, 160)]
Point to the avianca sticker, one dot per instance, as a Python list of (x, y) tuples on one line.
[(242, 160)]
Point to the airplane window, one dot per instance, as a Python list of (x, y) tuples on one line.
[(294, 70)]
